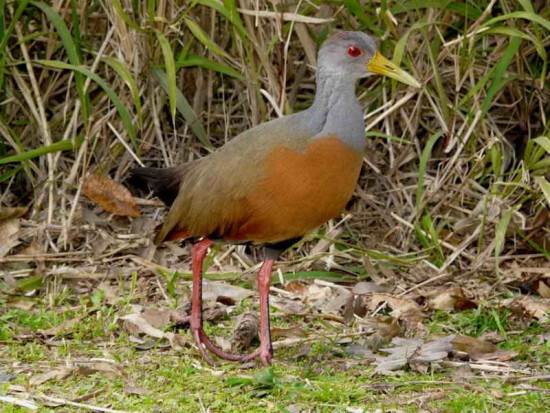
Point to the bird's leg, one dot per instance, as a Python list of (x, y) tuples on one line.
[(199, 252), (265, 352)]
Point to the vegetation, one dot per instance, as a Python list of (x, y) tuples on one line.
[(455, 192)]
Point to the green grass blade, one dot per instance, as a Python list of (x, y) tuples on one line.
[(123, 112), (543, 141), (170, 66), (72, 53), (500, 232), (544, 187), (202, 37), (424, 158), (497, 83), (192, 60), (10, 173), (185, 109), (229, 10), (65, 145), (125, 18), (536, 18), (125, 74), (21, 6)]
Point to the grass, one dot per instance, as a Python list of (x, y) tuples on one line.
[(455, 187), (327, 379)]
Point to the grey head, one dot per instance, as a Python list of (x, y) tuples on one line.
[(355, 55)]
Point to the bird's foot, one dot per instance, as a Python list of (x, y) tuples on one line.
[(203, 343)]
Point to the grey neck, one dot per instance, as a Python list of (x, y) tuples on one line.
[(336, 110)]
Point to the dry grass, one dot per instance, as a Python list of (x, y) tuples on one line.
[(455, 180)]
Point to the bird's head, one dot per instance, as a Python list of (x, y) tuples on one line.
[(356, 55)]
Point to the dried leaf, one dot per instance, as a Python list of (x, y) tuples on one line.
[(220, 291), (413, 351), (527, 307), (288, 306), (402, 308), (110, 196), (543, 290), (11, 212), (473, 346), (133, 389), (157, 318), (290, 332), (56, 374), (452, 299), (9, 234), (246, 329)]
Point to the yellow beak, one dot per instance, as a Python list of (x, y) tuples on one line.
[(382, 66)]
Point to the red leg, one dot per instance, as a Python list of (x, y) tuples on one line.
[(199, 252), (265, 351)]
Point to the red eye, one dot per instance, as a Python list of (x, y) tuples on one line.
[(354, 51)]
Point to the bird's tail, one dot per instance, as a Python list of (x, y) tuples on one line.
[(165, 182)]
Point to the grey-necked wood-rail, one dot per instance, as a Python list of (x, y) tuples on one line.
[(276, 182)]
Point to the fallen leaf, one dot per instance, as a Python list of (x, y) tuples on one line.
[(136, 324), (290, 332), (11, 212), (220, 291), (365, 287), (543, 290), (288, 306), (56, 374), (133, 389), (22, 304), (111, 294), (9, 234), (473, 346), (246, 329), (413, 351), (110, 196), (452, 299), (157, 318), (527, 307), (402, 308), (105, 368)]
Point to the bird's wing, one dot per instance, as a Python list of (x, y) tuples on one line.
[(212, 196)]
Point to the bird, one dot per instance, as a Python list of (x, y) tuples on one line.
[(276, 182)]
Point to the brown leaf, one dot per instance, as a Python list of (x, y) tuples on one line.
[(290, 332), (246, 329), (133, 389), (452, 299), (56, 374), (543, 290), (11, 212), (9, 235), (110, 195), (107, 369), (220, 291), (473, 346), (402, 308), (528, 308), (157, 318)]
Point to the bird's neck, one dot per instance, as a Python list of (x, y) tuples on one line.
[(336, 110)]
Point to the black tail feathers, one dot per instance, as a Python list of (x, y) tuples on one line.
[(165, 182)]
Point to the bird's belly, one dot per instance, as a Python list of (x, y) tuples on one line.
[(299, 191)]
